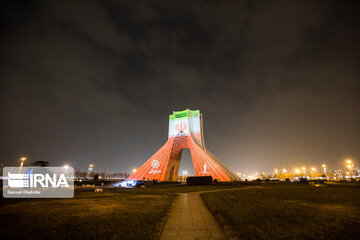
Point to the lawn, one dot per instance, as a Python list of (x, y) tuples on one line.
[(116, 213), (288, 211), (269, 211), (87, 216)]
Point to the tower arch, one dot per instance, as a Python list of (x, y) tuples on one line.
[(185, 131)]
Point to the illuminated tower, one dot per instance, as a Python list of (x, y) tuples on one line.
[(185, 131)]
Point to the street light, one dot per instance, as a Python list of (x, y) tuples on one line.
[(349, 163), (66, 166), (324, 167), (134, 170), (350, 166), (22, 159), (91, 168), (313, 170), (284, 170)]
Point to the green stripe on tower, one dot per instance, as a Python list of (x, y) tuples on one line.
[(184, 114)]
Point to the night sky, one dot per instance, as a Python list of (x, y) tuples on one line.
[(94, 81)]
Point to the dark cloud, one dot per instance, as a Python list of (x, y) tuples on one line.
[(94, 81)]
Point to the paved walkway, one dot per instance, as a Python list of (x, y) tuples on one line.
[(191, 219)]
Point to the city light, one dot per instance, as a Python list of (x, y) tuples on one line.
[(349, 171), (134, 170)]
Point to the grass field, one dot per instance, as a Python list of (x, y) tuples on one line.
[(270, 211), (288, 211), (116, 213), (87, 216)]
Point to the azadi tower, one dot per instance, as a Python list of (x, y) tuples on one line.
[(185, 131)]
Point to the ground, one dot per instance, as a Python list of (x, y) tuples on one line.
[(87, 216), (288, 211), (264, 211), (114, 214)]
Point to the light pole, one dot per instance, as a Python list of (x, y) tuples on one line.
[(22, 159), (284, 173), (324, 168), (350, 166), (184, 173), (313, 172), (91, 167)]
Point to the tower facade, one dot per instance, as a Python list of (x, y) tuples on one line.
[(185, 131)]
